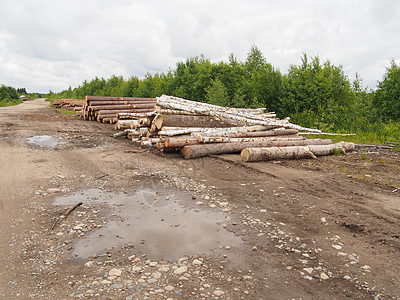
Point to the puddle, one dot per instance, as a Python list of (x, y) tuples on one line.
[(154, 222), (44, 141)]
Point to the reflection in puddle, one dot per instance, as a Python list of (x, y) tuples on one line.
[(44, 141), (154, 222)]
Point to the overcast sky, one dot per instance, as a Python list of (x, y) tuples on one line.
[(54, 44)]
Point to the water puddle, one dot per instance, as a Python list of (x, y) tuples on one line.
[(44, 141), (154, 222)]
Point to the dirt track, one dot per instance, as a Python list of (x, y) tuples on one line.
[(310, 229)]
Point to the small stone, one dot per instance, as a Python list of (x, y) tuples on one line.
[(89, 264), (337, 247), (115, 272), (254, 248), (136, 269), (197, 262), (163, 268), (116, 286), (324, 276), (263, 210), (105, 281), (228, 247), (152, 280), (180, 270), (308, 270), (169, 288), (323, 220), (183, 278), (132, 257), (347, 277), (218, 293), (153, 263), (212, 205), (53, 190), (307, 277)]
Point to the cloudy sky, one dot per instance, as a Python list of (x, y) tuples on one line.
[(54, 44)]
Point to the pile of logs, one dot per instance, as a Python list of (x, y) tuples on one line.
[(106, 109), (69, 104), (199, 129)]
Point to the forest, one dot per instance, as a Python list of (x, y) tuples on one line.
[(314, 93)]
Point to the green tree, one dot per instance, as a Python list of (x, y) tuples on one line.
[(387, 96), (8, 94), (316, 95), (216, 94)]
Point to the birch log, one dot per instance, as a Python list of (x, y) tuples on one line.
[(266, 133), (206, 140), (223, 112), (195, 151)]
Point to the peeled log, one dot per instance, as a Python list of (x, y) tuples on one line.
[(310, 151), (194, 151), (179, 142)]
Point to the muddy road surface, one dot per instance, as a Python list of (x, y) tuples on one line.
[(157, 226)]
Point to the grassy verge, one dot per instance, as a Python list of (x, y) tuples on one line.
[(9, 103), (64, 111)]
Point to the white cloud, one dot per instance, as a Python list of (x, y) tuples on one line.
[(53, 44)]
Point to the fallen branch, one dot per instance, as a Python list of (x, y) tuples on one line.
[(69, 210)]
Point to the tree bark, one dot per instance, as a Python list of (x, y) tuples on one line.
[(195, 151), (179, 142), (266, 133), (188, 121), (295, 152), (208, 140)]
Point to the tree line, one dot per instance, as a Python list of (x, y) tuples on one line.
[(313, 93)]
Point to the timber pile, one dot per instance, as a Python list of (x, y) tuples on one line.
[(199, 129), (69, 104), (106, 109)]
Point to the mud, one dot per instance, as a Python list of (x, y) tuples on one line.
[(154, 221)]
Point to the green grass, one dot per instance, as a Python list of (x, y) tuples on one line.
[(9, 103), (64, 111)]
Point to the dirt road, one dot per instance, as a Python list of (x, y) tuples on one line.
[(156, 226)]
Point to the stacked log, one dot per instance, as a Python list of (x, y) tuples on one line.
[(106, 109), (69, 104), (199, 129)]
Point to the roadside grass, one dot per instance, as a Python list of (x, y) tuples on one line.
[(375, 134), (64, 111), (4, 103)]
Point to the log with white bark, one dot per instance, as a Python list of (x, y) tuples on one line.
[(265, 133), (228, 113), (163, 111), (195, 151), (294, 152), (172, 131), (233, 130), (206, 140), (325, 133)]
